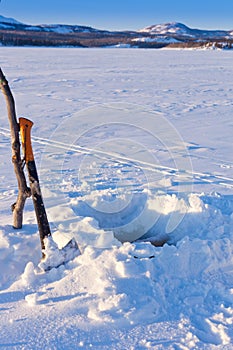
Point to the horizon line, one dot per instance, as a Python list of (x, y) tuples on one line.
[(114, 29)]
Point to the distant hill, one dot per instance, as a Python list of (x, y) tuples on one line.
[(181, 30), (15, 33), (8, 20)]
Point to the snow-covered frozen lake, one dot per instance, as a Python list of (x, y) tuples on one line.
[(130, 144)]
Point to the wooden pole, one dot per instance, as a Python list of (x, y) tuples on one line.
[(42, 220), (23, 191)]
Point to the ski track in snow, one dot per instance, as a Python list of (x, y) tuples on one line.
[(98, 186), (194, 176)]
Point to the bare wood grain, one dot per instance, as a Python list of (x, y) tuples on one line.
[(23, 190)]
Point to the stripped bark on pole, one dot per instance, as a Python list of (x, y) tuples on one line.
[(23, 190), (42, 220)]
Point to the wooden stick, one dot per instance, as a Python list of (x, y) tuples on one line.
[(41, 216), (23, 191)]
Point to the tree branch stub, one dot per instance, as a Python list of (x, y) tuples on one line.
[(23, 190)]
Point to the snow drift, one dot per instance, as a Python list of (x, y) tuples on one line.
[(174, 191)]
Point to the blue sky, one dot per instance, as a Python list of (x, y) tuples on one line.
[(122, 14)]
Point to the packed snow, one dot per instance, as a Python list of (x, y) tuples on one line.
[(132, 147)]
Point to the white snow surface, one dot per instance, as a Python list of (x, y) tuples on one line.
[(162, 39), (131, 146)]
